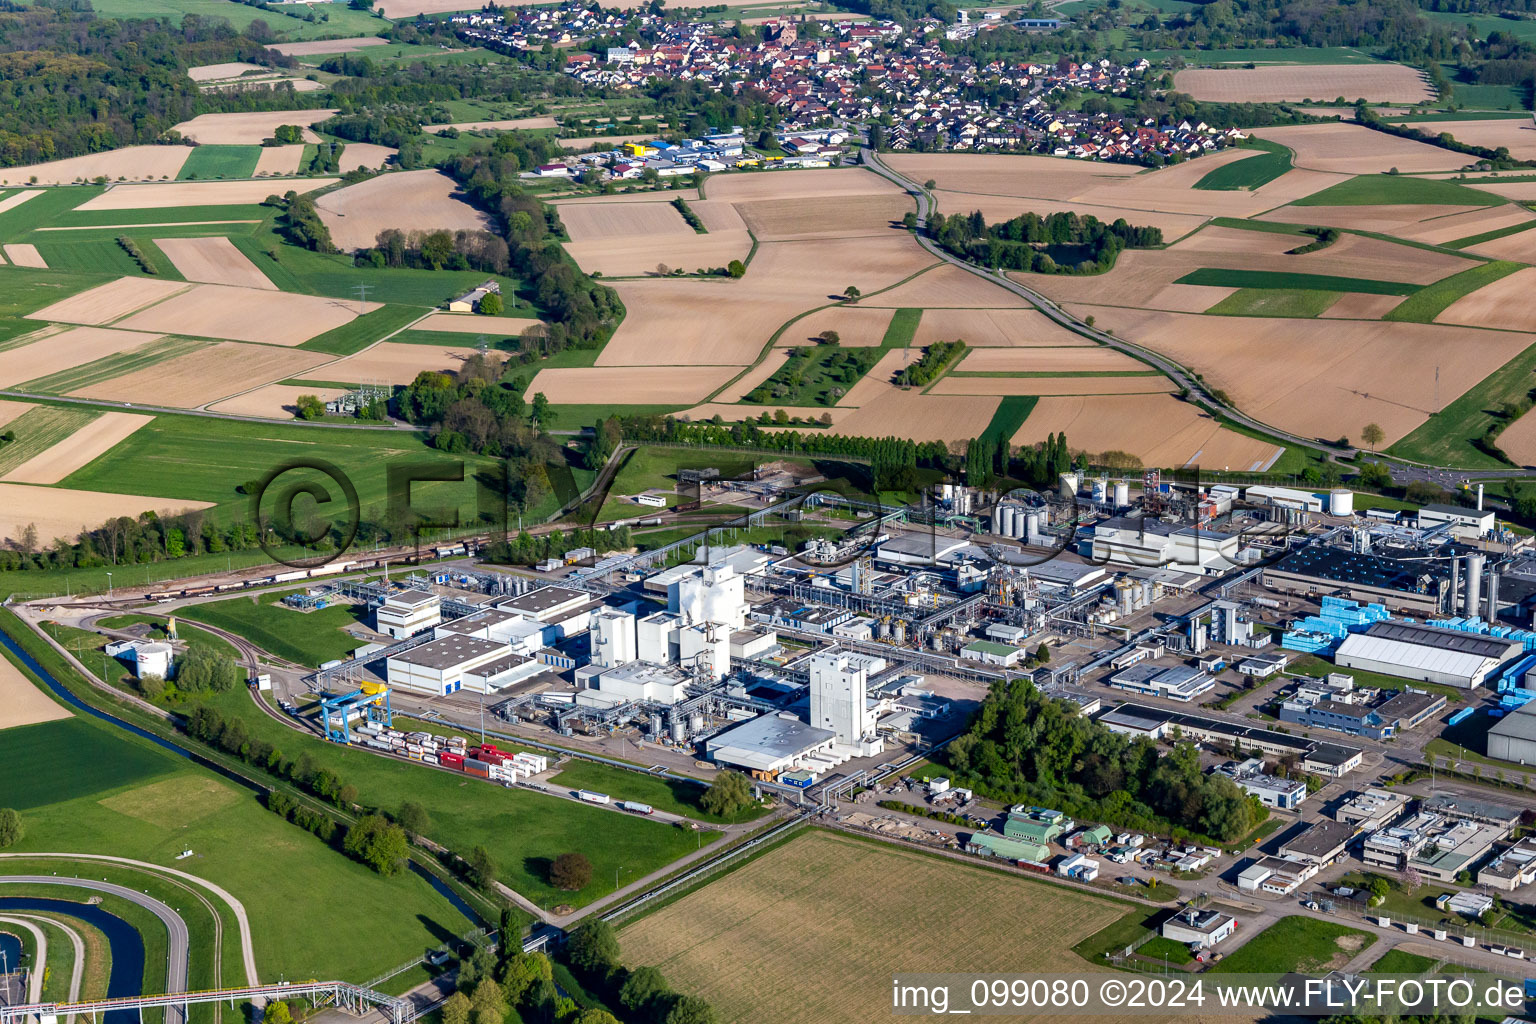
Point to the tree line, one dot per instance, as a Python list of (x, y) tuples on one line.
[(1026, 242), (73, 84), (1024, 747)]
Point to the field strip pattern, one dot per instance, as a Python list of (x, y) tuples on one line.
[(22, 703), (39, 430), (157, 224), (81, 447), (112, 366)]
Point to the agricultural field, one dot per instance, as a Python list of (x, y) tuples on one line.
[(1391, 83), (409, 201), (829, 917)]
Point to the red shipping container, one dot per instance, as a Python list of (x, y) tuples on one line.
[(452, 760)]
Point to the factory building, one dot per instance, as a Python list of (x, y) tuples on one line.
[(989, 652), (1332, 759), (1282, 794), (1513, 737), (1511, 867), (614, 638), (1486, 812), (548, 604), (1417, 588), (1180, 682), (1280, 876), (1199, 927), (1426, 653), (1321, 845), (712, 593), (406, 613), (1146, 543), (638, 680), (445, 666), (987, 844), (1383, 722), (769, 744), (919, 549), (1372, 809), (807, 618), (1465, 523), (840, 700)]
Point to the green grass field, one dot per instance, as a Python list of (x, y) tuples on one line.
[(498, 336), (52, 762), (902, 328), (1296, 944), (313, 273), (220, 162), (1397, 190), (205, 460), (1278, 279), (365, 330), (1426, 303), (817, 376), (1286, 302), (1317, 668), (1482, 25), (216, 215), (39, 429), (113, 366), (1011, 413), (304, 638), (662, 794), (1488, 236), (1397, 961), (523, 830), (1166, 949), (98, 254), (43, 210), (1250, 172)]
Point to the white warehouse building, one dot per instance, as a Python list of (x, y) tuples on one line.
[(1426, 653), (455, 663)]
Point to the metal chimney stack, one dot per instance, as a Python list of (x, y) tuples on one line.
[(1472, 603), (1493, 596), (1479, 497)]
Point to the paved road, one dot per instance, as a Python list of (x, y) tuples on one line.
[(39, 959), (1172, 370), (176, 945), (247, 949)]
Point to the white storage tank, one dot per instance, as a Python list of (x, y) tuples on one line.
[(1341, 502), (1100, 490), (1032, 525), (1005, 515), (1122, 494), (1020, 523)]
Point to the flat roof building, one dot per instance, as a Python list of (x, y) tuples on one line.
[(1417, 587), (1465, 523), (1513, 737), (1372, 809), (1178, 682), (1445, 656), (546, 603), (768, 744), (445, 666), (1321, 844), (1201, 927), (1511, 867)]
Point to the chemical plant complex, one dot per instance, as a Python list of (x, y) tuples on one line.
[(1327, 662)]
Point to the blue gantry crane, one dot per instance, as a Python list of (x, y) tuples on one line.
[(371, 700)]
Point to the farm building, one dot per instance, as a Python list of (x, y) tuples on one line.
[(1426, 653), (469, 302)]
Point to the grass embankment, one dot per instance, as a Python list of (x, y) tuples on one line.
[(663, 794), (1296, 944), (1264, 166)]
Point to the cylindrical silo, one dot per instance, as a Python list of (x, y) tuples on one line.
[(1032, 526), (1005, 517), (1341, 502), (1100, 490), (1122, 494), (1020, 523), (1473, 601)]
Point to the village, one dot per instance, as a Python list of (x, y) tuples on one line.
[(900, 89)]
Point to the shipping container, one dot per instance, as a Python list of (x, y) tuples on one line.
[(593, 798), (477, 768), (635, 808), (429, 759), (453, 760)]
